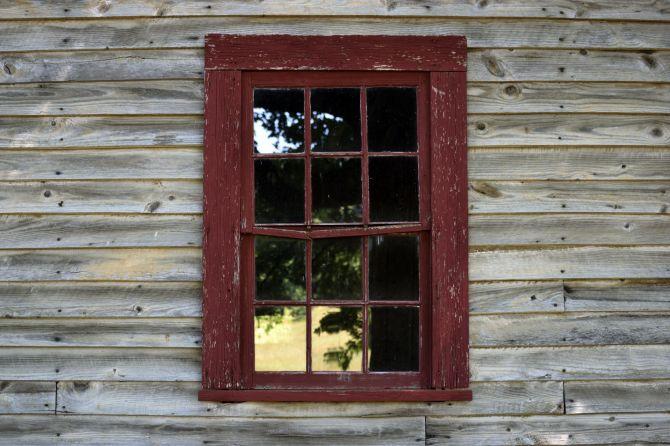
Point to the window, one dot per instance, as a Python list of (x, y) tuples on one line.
[(335, 222)]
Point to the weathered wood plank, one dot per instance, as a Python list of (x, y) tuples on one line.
[(589, 9), (189, 32), (569, 329), (186, 97), (109, 364), (617, 396), (483, 65), (134, 231), (175, 264), (569, 229), (553, 97), (619, 295), (653, 428), (22, 132), (562, 65), (570, 363), (100, 231), (89, 164), (513, 163), (170, 333), (161, 197), (167, 197), (571, 263), (180, 399), (107, 65), (515, 297), (183, 299), (98, 299), (566, 130), (568, 196), (485, 130), (27, 397), (188, 431), (566, 163), (487, 364)]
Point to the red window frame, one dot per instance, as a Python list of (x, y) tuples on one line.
[(234, 66)]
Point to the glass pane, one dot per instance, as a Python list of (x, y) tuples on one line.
[(394, 189), (393, 339), (280, 268), (394, 267), (336, 190), (280, 339), (336, 119), (391, 119), (279, 120), (279, 190), (336, 268), (336, 339)]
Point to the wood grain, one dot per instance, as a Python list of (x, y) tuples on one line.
[(180, 399), (27, 397), (617, 396), (169, 97), (100, 299), (590, 9), (522, 64), (550, 430), (191, 431), (620, 295), (516, 297), (189, 32)]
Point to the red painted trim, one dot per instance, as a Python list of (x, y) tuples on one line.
[(449, 230), (222, 367), (284, 52), (405, 395)]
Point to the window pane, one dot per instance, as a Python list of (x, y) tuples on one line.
[(394, 189), (336, 339), (336, 119), (336, 268), (394, 267), (391, 119), (280, 339), (393, 339), (279, 120), (280, 190), (336, 190), (280, 268)]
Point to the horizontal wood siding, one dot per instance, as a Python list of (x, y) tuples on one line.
[(101, 134)]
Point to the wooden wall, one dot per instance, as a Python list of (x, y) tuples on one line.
[(100, 225)]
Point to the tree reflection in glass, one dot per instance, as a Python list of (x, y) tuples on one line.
[(280, 268), (336, 119), (279, 120), (279, 194), (336, 190), (336, 269), (336, 339)]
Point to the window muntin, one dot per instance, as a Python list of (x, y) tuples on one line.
[(360, 208)]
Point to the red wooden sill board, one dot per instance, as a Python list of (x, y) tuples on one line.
[(419, 395)]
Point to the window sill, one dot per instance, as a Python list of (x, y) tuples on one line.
[(272, 395)]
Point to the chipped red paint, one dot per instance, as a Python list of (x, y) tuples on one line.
[(228, 220)]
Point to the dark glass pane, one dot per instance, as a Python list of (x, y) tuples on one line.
[(393, 339), (394, 267), (280, 268), (280, 339), (336, 268), (279, 190), (336, 190), (279, 120), (391, 119), (336, 119), (336, 339), (394, 189)]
